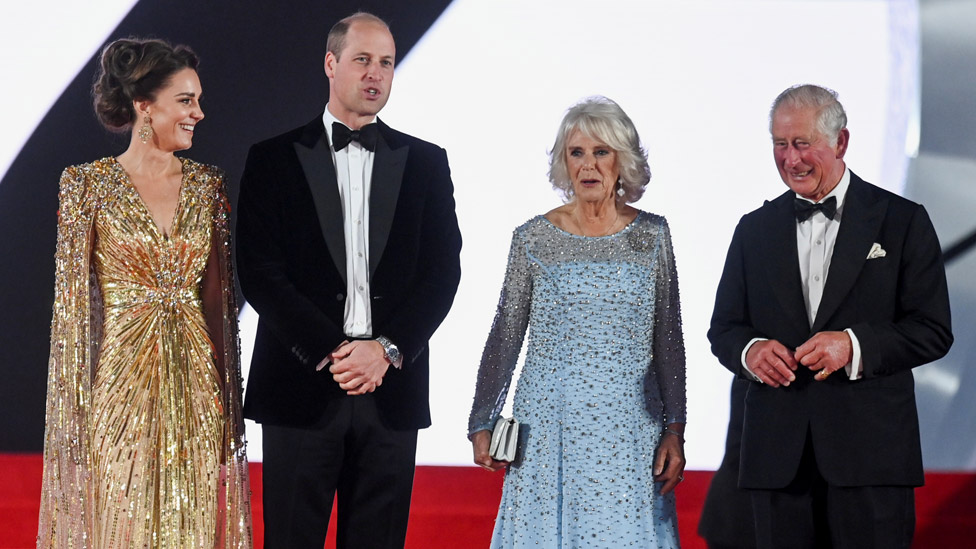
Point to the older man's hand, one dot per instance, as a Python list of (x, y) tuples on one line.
[(825, 353), (771, 362)]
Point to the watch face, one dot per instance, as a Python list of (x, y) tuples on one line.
[(391, 351)]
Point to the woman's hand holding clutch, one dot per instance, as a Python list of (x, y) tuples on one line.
[(480, 442)]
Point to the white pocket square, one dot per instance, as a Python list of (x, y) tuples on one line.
[(876, 251)]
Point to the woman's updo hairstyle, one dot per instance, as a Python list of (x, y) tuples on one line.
[(135, 69)]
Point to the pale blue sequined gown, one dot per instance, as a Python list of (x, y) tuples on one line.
[(604, 372)]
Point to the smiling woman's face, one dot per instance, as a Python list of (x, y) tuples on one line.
[(592, 167), (175, 112)]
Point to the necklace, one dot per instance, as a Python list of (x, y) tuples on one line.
[(606, 231)]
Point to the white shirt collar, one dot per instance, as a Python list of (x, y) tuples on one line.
[(328, 119)]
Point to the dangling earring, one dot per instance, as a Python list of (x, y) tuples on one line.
[(620, 189), (146, 131)]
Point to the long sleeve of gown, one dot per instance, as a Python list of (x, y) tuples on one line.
[(504, 340), (65, 518), (668, 344)]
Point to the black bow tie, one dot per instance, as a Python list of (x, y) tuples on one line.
[(365, 136), (804, 208)]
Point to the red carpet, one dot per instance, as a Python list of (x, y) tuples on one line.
[(455, 506)]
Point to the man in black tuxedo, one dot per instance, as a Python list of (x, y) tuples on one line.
[(348, 249), (831, 294)]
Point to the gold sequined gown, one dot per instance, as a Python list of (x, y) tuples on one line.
[(157, 412)]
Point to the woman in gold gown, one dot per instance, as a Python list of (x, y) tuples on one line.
[(144, 443)]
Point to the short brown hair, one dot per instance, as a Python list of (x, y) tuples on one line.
[(337, 36)]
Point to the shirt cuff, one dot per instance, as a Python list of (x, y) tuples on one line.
[(855, 368), (743, 358)]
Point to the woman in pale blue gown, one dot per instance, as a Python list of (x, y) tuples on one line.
[(601, 396)]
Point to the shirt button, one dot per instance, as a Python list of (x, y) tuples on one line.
[(817, 278), (818, 243), (360, 288), (360, 254)]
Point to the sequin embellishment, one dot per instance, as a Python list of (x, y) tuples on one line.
[(604, 371), (143, 445)]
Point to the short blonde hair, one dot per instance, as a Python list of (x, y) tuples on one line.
[(602, 119)]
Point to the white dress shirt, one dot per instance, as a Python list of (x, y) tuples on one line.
[(354, 174), (815, 239)]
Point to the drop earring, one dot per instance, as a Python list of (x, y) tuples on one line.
[(146, 131), (620, 189)]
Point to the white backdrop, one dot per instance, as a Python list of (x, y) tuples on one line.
[(490, 82)]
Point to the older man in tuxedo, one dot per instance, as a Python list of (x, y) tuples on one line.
[(348, 249), (831, 294)]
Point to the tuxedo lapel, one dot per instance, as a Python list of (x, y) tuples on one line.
[(388, 166), (316, 160), (781, 260), (860, 223)]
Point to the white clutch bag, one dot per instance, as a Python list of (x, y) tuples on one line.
[(504, 439)]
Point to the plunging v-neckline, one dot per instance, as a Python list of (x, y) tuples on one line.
[(160, 231)]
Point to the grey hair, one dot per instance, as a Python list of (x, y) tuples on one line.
[(601, 119), (337, 36), (831, 118)]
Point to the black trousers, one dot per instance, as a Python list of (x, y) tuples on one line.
[(810, 513), (727, 521), (352, 457)]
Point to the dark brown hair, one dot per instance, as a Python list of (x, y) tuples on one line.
[(133, 69)]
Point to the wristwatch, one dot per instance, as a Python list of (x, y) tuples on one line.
[(391, 352)]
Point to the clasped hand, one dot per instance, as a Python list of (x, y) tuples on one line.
[(824, 353), (359, 366)]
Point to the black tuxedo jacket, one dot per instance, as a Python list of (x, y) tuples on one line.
[(292, 269), (864, 432)]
